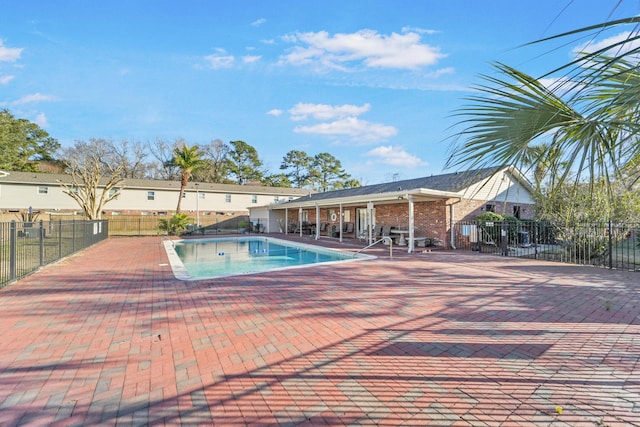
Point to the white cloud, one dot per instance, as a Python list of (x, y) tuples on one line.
[(9, 54), (275, 112), (35, 97), (41, 120), (409, 29), (441, 72), (366, 47), (6, 79), (396, 156), (220, 59), (258, 22), (250, 59), (618, 40), (303, 111), (359, 131)]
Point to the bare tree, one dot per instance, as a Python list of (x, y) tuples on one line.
[(94, 182), (215, 169), (130, 155), (162, 151)]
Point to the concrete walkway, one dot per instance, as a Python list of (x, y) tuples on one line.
[(109, 337)]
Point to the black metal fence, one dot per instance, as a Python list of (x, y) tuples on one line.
[(27, 246), (615, 246), (150, 225)]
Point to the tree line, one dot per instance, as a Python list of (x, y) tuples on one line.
[(27, 147)]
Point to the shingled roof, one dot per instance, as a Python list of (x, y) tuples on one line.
[(54, 179), (451, 183)]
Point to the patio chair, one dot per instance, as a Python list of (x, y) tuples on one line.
[(323, 227), (348, 227), (385, 232)]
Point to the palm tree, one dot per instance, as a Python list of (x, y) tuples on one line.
[(592, 126), (188, 160)]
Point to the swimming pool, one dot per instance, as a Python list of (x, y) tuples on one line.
[(218, 257)]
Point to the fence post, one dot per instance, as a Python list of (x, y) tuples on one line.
[(59, 239), (536, 237), (41, 242), (13, 248), (610, 247), (505, 238)]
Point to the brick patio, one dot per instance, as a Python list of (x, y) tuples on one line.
[(432, 339)]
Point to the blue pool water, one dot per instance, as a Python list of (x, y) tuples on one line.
[(205, 258)]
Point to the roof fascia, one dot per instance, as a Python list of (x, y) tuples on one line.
[(380, 197)]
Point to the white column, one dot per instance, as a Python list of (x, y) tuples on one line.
[(300, 221), (286, 220), (411, 225), (341, 222), (317, 222), (370, 221)]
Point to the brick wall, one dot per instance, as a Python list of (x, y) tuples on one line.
[(431, 219)]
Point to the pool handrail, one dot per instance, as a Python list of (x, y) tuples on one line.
[(382, 239)]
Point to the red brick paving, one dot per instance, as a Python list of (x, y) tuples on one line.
[(444, 338)]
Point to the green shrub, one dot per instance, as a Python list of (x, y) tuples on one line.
[(176, 224)]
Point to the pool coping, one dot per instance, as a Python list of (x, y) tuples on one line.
[(180, 271)]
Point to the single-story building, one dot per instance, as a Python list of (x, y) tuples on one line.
[(42, 192), (414, 210)]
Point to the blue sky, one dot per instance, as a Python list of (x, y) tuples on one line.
[(375, 83)]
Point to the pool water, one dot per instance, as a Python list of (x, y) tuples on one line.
[(206, 258)]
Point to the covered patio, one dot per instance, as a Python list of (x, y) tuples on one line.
[(415, 210), (329, 215)]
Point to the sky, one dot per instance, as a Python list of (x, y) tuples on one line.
[(377, 84)]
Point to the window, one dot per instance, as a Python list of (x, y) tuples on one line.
[(490, 208), (254, 199), (516, 211), (201, 195), (163, 213), (114, 191), (151, 195), (116, 213), (227, 198), (43, 190)]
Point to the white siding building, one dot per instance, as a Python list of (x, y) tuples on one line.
[(42, 192)]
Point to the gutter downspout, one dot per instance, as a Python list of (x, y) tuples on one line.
[(451, 222)]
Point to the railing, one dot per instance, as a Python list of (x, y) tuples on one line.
[(385, 238), (608, 245), (27, 246)]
